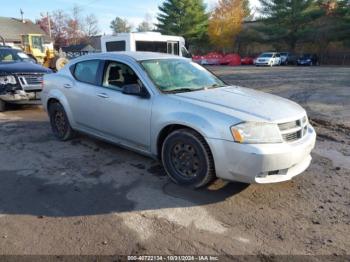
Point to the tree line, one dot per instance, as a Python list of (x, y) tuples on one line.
[(229, 26)]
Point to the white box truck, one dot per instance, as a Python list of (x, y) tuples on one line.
[(146, 42)]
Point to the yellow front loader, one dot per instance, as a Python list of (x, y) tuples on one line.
[(33, 45)]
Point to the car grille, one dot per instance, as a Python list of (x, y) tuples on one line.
[(294, 130), (31, 82)]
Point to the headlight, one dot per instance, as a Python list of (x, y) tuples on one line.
[(256, 133), (4, 80)]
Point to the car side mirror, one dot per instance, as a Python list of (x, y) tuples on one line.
[(134, 90)]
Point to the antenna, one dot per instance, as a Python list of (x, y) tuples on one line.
[(22, 15)]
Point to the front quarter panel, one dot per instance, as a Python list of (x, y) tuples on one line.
[(167, 110)]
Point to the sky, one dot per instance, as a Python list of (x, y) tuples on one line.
[(104, 10)]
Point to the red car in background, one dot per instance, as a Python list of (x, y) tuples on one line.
[(247, 60), (214, 58), (231, 60)]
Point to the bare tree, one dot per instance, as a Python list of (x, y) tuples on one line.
[(59, 24), (70, 28), (91, 25), (74, 26), (146, 25), (120, 25)]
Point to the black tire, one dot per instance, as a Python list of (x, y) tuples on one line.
[(2, 106), (59, 122), (187, 158)]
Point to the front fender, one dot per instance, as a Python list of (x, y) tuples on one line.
[(195, 122)]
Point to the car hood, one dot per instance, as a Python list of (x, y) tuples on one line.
[(22, 67), (245, 104)]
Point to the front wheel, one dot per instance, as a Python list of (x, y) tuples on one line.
[(187, 158), (59, 122)]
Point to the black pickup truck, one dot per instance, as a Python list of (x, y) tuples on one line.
[(20, 78)]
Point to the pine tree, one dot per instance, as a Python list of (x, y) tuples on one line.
[(186, 18), (342, 13), (288, 21)]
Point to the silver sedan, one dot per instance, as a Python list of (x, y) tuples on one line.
[(174, 110)]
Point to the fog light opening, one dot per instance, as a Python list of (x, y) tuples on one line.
[(274, 172), (262, 175)]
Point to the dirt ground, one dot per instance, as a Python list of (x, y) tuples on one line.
[(89, 197)]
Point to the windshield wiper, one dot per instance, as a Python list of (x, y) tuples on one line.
[(214, 86), (181, 90)]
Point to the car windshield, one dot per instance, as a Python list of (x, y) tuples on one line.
[(180, 75), (266, 55), (11, 55), (284, 54)]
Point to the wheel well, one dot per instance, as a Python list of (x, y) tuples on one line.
[(165, 132), (51, 101)]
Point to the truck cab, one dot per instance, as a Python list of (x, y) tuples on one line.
[(34, 44), (145, 42)]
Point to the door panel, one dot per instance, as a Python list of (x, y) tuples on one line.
[(124, 117), (82, 93)]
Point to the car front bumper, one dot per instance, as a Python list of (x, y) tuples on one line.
[(20, 97), (265, 63), (262, 163), (304, 62)]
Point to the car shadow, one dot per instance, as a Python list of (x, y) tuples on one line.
[(27, 194), (45, 192)]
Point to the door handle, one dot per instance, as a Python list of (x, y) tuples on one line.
[(67, 86), (103, 95)]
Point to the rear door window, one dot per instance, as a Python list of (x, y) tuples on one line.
[(86, 71)]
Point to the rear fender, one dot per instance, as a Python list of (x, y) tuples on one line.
[(58, 95)]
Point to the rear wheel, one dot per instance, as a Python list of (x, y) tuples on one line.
[(2, 105), (59, 122), (187, 158)]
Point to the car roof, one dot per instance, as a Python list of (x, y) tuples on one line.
[(138, 56)]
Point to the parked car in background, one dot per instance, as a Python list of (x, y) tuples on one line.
[(308, 60), (173, 109), (247, 60), (288, 58), (268, 59), (20, 78)]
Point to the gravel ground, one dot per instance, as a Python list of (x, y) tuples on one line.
[(89, 197)]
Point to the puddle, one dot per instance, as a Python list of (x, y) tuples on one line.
[(330, 150)]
